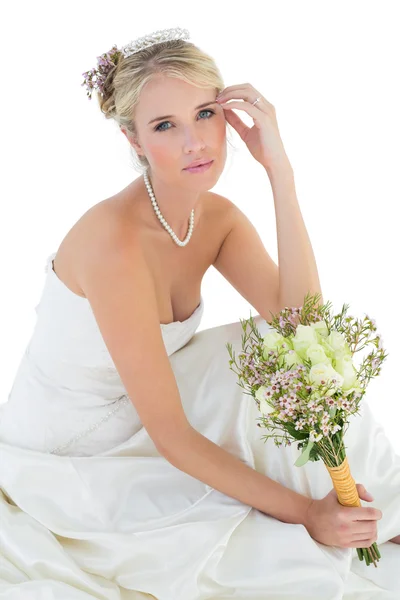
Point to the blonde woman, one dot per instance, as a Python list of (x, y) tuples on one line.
[(131, 463)]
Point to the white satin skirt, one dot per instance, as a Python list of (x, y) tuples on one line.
[(127, 525)]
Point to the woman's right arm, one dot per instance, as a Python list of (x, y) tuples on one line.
[(116, 281), (196, 455)]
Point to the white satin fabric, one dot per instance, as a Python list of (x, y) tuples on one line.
[(109, 518)]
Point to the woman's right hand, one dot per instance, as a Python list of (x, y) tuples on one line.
[(332, 524)]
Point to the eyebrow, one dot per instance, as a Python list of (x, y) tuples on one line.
[(171, 116)]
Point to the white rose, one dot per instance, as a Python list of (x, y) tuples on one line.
[(338, 343), (325, 372), (291, 359), (265, 408), (329, 351), (344, 366), (304, 337), (275, 341), (321, 328), (316, 353)]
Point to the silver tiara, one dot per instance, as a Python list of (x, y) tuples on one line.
[(95, 78), (161, 35)]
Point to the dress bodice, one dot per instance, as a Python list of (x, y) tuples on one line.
[(67, 383), (73, 313)]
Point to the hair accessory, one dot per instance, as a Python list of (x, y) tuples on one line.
[(95, 78), (161, 35)]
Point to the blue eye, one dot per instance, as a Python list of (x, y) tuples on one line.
[(158, 127)]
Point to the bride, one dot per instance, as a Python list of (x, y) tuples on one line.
[(131, 466)]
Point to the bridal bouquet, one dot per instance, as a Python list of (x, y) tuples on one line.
[(306, 385)]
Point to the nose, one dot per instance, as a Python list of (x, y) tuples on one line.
[(193, 142)]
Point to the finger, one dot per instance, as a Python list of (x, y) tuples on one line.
[(236, 88), (230, 91), (246, 92), (236, 122), (366, 497), (362, 492), (253, 111), (363, 543), (365, 514), (364, 529), (362, 489), (247, 101)]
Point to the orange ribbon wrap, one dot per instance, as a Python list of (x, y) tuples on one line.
[(344, 484), (347, 494)]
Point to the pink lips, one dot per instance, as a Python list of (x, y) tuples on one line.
[(200, 168)]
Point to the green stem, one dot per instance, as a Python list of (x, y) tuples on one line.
[(370, 555), (376, 549), (366, 556)]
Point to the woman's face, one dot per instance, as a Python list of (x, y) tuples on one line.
[(191, 133)]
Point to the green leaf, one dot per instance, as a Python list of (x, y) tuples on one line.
[(303, 458), (295, 433), (332, 412), (314, 455)]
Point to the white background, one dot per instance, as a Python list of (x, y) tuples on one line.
[(329, 68)]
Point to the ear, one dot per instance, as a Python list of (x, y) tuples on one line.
[(133, 141)]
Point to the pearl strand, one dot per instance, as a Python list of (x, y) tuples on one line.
[(163, 221)]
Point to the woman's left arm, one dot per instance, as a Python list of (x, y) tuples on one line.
[(298, 274)]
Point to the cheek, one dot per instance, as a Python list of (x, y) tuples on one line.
[(160, 152), (220, 130)]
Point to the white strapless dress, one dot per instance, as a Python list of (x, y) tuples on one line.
[(90, 509)]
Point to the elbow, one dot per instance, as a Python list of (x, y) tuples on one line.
[(173, 441)]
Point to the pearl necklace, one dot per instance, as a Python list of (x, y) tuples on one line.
[(163, 221)]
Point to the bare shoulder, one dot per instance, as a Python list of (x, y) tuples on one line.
[(220, 205), (103, 228), (110, 218), (221, 214), (115, 225)]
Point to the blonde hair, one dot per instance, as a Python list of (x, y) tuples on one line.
[(125, 81)]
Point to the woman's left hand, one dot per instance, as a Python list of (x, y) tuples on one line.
[(263, 139)]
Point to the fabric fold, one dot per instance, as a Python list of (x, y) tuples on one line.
[(124, 524)]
